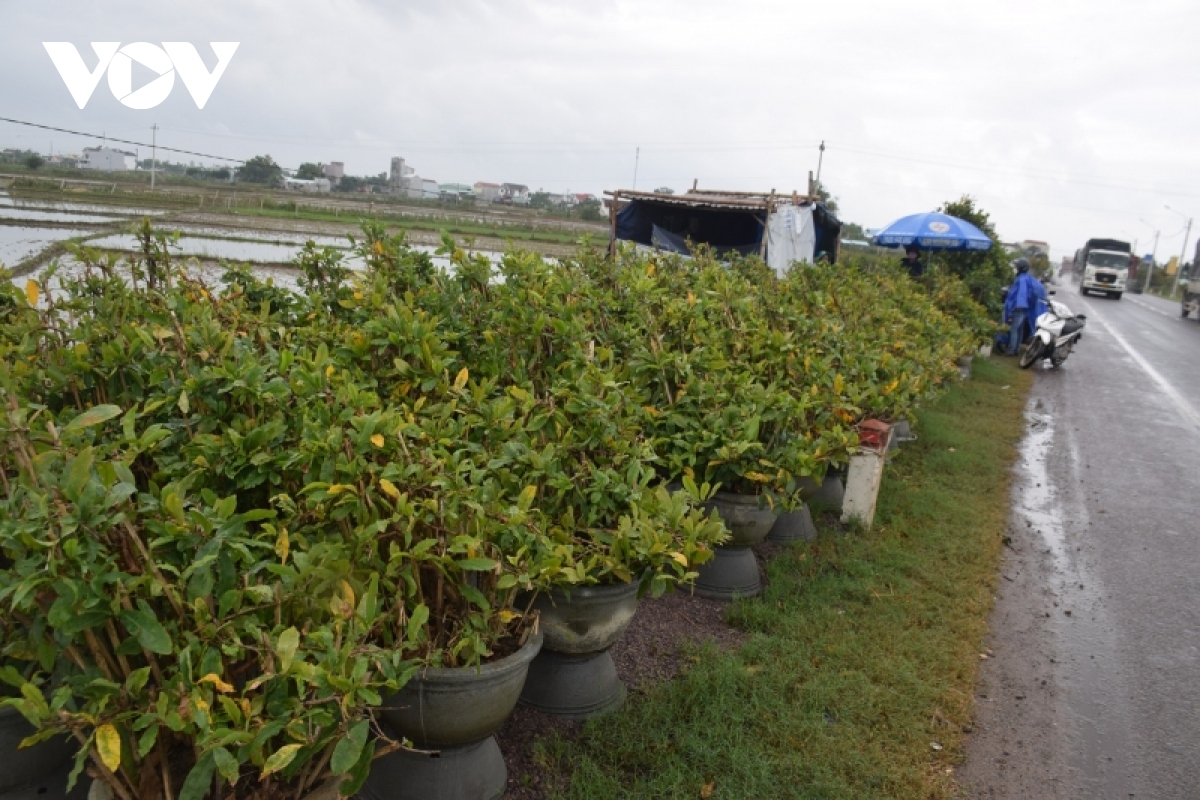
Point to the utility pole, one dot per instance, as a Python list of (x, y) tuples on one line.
[(820, 160), (1150, 269), (153, 153), (1182, 253), (637, 156)]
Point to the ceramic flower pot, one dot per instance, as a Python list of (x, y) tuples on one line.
[(450, 714), (793, 526), (574, 675), (733, 572)]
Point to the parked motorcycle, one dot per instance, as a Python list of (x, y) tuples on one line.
[(1055, 334)]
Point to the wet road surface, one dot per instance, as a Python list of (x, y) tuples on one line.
[(1092, 689)]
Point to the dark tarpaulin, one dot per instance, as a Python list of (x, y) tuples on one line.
[(829, 232), (723, 230)]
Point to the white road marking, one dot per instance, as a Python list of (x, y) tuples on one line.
[(1189, 414)]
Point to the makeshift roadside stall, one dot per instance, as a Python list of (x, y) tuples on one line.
[(780, 229)]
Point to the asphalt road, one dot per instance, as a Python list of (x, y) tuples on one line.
[(1092, 686)]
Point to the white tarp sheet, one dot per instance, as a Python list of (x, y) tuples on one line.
[(791, 236)]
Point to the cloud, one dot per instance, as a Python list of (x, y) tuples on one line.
[(1066, 120)]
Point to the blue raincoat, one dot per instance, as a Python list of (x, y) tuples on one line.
[(1026, 294)]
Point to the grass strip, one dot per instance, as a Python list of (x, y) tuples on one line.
[(858, 677)]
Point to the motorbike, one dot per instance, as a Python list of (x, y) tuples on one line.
[(1055, 334)]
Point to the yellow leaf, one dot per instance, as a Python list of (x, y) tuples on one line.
[(691, 298), (526, 498), (707, 790), (31, 291), (389, 488), (891, 387), (338, 488), (758, 477), (282, 545), (379, 248), (681, 558), (280, 759), (507, 616), (329, 370), (461, 379), (838, 383), (652, 411), (218, 684), (347, 594), (108, 743), (377, 440)]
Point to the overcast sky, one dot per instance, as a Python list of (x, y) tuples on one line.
[(1065, 119)]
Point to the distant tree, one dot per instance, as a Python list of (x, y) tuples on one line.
[(854, 231), (260, 169), (985, 272), (539, 199), (589, 210), (826, 197), (664, 190), (34, 161), (309, 171)]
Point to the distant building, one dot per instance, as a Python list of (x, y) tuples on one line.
[(398, 175), (454, 192), (108, 159), (485, 192), (429, 189), (514, 194), (335, 171), (314, 185)]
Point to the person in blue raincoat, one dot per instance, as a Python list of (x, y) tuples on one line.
[(1024, 303)]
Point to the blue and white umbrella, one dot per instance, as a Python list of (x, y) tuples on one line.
[(933, 231)]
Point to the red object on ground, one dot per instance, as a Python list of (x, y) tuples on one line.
[(874, 435)]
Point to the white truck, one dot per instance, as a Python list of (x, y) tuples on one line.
[(1103, 265), (1191, 291)]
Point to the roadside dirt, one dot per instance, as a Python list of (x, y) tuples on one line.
[(1014, 748)]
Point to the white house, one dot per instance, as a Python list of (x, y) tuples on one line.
[(485, 192), (514, 194), (108, 159)]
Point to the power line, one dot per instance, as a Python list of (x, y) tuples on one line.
[(122, 141)]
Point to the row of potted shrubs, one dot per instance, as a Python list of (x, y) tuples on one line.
[(236, 518)]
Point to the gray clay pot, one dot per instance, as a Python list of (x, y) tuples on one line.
[(473, 772), (733, 571), (748, 523), (40, 770), (456, 706), (794, 526), (833, 492), (574, 676), (585, 619)]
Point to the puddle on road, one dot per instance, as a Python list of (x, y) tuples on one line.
[(1036, 501)]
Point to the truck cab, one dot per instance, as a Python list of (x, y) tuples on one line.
[(1105, 267)]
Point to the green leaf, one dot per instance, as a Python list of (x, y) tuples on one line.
[(79, 470), (289, 640), (226, 764), (137, 679), (349, 748), (420, 616), (199, 781), (149, 631), (93, 416), (183, 402)]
